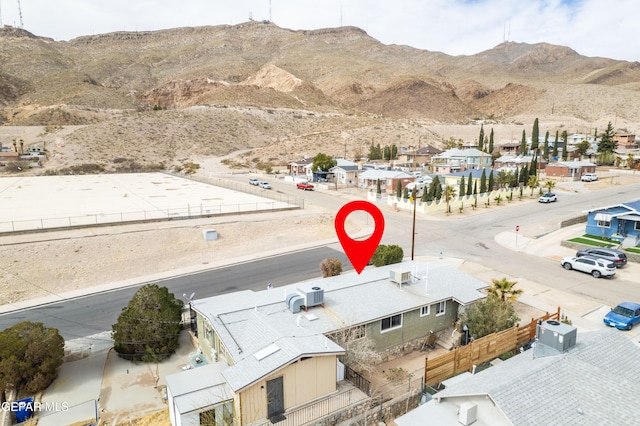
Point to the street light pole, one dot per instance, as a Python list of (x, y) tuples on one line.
[(413, 229)]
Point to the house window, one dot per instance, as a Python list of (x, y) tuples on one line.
[(440, 308), (392, 322), (636, 226), (220, 415), (604, 224), (424, 311)]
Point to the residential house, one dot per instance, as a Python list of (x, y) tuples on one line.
[(417, 158), (455, 160), (298, 168), (625, 141), (573, 169), (512, 162), (345, 172), (389, 179), (619, 221), (8, 156), (453, 179), (511, 149), (268, 353), (594, 382)]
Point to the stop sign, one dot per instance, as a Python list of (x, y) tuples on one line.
[(517, 228)]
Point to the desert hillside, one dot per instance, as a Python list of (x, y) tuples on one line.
[(134, 99)]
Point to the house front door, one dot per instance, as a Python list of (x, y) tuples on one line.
[(275, 397)]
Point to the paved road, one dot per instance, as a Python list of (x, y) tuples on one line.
[(466, 237), (88, 315)]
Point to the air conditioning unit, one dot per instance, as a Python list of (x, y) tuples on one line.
[(399, 276), (312, 297), (556, 335), (468, 413)]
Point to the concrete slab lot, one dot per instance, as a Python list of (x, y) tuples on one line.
[(28, 203)]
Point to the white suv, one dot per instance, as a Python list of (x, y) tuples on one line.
[(589, 177)]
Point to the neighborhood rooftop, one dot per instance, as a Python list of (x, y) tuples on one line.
[(262, 333), (595, 382)]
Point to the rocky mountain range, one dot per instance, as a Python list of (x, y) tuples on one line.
[(211, 91)]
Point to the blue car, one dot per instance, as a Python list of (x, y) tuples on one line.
[(624, 316)]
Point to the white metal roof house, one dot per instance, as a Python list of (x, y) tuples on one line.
[(267, 352), (461, 159), (594, 382), (368, 179)]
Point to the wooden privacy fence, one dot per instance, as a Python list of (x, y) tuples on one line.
[(484, 349)]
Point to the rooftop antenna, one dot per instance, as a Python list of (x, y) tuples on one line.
[(20, 14)]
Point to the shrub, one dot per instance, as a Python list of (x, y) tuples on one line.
[(387, 255), (330, 267)]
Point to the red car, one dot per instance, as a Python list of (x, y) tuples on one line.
[(306, 186)]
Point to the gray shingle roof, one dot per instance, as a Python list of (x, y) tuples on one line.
[(596, 382)]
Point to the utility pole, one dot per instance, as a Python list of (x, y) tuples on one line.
[(20, 14)]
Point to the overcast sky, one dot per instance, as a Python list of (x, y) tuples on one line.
[(606, 28)]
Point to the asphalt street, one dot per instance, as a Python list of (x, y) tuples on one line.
[(91, 314)]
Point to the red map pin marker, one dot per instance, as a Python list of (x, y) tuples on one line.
[(359, 252)]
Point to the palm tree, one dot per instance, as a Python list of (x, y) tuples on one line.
[(533, 183), (449, 193), (550, 184), (504, 289)]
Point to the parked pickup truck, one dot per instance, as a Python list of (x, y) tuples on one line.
[(306, 186), (589, 177)]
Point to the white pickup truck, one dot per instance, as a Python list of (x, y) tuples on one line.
[(589, 177)]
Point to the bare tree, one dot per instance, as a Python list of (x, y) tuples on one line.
[(361, 354)]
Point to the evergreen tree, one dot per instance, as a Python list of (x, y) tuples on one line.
[(436, 188), (535, 134), (386, 153), (378, 187), (475, 187), (148, 327), (523, 144), (491, 181), (463, 187), (483, 182), (30, 357), (491, 141), (398, 189), (565, 150), (481, 138), (406, 193), (532, 169), (546, 145), (607, 143), (469, 184), (555, 146), (524, 171), (394, 151)]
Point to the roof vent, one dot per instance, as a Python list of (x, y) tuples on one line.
[(312, 297), (399, 276)]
